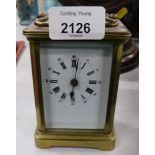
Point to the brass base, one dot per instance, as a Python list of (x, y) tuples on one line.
[(105, 142)]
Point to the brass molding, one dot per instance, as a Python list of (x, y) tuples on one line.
[(43, 21)]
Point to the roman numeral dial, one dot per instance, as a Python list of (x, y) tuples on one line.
[(74, 61), (72, 80), (62, 64), (56, 89), (94, 82), (63, 97), (50, 81)]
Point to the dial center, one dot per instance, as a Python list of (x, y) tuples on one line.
[(74, 82)]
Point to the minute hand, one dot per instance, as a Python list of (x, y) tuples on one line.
[(76, 68)]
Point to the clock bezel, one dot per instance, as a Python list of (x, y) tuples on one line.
[(93, 48), (114, 79)]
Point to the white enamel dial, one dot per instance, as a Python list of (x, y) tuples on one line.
[(75, 84)]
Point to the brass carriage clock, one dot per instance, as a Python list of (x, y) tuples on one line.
[(75, 86)]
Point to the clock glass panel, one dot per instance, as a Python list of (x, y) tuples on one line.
[(75, 83)]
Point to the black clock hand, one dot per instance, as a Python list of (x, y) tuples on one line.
[(77, 65), (74, 83), (72, 95)]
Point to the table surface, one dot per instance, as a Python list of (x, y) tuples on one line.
[(126, 115)]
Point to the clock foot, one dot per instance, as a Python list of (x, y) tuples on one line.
[(105, 142)]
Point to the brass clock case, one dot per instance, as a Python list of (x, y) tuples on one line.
[(96, 138)]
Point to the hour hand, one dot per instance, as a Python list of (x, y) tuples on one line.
[(72, 96)]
